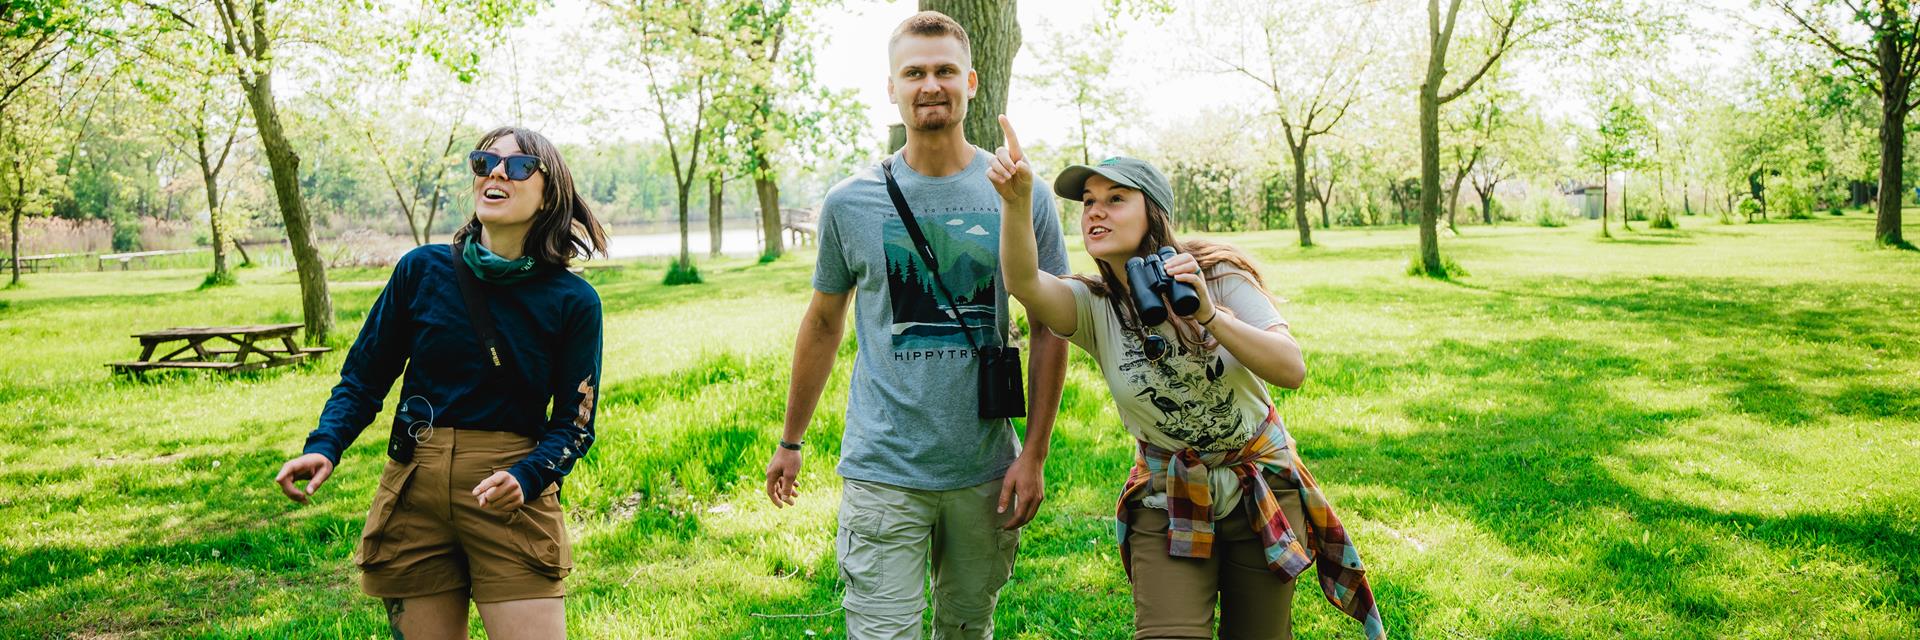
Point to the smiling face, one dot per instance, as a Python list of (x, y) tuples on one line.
[(502, 202), (932, 80), (1113, 220)]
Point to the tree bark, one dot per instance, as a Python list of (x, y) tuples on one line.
[(769, 192), (686, 258), (1893, 142), (1453, 201), (212, 183), (246, 34), (19, 209), (1625, 223), (993, 27), (1605, 196), (714, 207), (1486, 204), (1430, 174), (1300, 190)]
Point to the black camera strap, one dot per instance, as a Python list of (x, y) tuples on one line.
[(482, 318), (926, 252)]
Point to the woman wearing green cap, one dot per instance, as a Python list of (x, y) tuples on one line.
[(1218, 507)]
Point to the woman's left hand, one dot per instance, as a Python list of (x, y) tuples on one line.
[(501, 490), (1186, 269)]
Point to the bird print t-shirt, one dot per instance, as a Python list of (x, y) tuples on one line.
[(1202, 399)]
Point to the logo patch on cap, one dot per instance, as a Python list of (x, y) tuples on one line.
[(1108, 161)]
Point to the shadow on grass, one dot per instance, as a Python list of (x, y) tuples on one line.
[(1515, 439)]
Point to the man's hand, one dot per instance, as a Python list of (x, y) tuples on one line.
[(1024, 488), (783, 477), (312, 467)]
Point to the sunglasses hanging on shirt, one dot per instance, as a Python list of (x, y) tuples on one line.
[(519, 166)]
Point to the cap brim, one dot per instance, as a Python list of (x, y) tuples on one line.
[(1072, 183)]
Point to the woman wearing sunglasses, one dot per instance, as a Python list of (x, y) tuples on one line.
[(490, 332), (1218, 508)]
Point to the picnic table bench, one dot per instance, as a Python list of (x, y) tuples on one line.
[(252, 347), (803, 224), (126, 259), (33, 264)]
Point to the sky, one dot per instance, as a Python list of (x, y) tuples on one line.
[(853, 56), (1154, 65)]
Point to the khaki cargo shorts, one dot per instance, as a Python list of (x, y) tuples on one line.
[(428, 534)]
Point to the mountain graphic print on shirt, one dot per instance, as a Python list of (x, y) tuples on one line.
[(966, 244)]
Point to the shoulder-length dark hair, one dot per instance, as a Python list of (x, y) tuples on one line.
[(1208, 254), (563, 227)]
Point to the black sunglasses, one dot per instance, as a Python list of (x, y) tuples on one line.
[(519, 167)]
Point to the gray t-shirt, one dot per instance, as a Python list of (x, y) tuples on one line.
[(913, 412)]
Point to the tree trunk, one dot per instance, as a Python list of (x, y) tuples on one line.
[(433, 211), (993, 27), (714, 207), (19, 209), (769, 192), (1325, 222), (1453, 201), (686, 258), (218, 231), (1605, 196), (245, 261), (1625, 223), (1893, 142), (1430, 174), (256, 78), (1486, 204), (1300, 192)]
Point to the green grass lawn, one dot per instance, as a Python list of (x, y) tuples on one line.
[(1702, 433)]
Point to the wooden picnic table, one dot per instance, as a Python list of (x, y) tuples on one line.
[(252, 347), (33, 264)]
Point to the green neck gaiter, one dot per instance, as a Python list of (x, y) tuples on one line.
[(492, 268)]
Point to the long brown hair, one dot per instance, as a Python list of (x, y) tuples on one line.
[(563, 227), (1209, 254)]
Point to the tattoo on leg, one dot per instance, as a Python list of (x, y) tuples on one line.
[(395, 607)]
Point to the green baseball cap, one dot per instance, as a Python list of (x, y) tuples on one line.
[(1131, 173)]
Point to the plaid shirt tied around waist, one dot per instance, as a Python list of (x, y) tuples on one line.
[(1343, 579)]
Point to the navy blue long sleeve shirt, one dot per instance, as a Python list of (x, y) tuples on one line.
[(549, 328)]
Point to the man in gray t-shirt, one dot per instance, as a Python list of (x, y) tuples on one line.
[(926, 482)]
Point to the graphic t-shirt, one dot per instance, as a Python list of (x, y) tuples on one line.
[(913, 412), (1192, 398)]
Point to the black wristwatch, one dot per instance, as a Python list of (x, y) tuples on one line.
[(791, 446)]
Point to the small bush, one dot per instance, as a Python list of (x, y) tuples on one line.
[(126, 235), (218, 280), (1664, 221), (1835, 211), (679, 274), (1550, 219), (1448, 268)]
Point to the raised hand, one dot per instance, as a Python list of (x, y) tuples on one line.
[(1010, 174)]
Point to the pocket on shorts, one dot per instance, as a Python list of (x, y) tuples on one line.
[(861, 511), (1009, 550), (540, 531), (375, 548)]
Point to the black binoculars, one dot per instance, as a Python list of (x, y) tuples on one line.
[(1150, 283)]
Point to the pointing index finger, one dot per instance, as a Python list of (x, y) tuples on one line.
[(1013, 142)]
